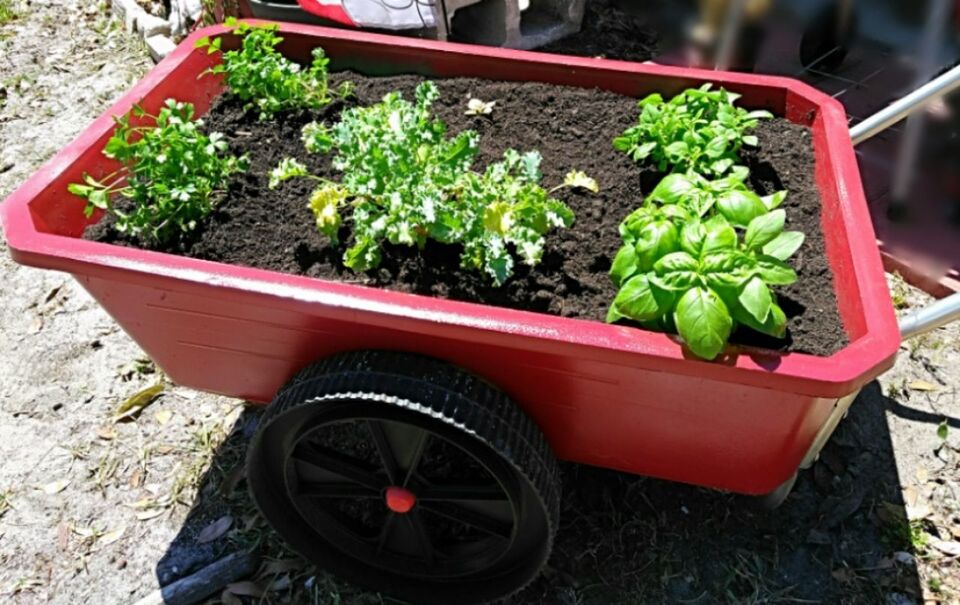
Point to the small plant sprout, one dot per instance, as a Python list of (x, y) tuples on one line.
[(170, 172), (699, 130), (577, 179), (476, 107), (406, 182), (262, 77), (325, 201)]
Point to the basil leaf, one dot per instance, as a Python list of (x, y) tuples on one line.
[(722, 165), (764, 228), (740, 207), (655, 241), (720, 236), (691, 237), (678, 281), (756, 299), (703, 322), (775, 324), (636, 300), (624, 264), (775, 272), (774, 199), (671, 189), (784, 245), (675, 261)]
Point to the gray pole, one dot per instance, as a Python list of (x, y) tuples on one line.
[(910, 143), (903, 107), (931, 317), (729, 35)]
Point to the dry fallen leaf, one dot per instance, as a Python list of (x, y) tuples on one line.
[(112, 536), (215, 530), (922, 385), (946, 547), (844, 575), (134, 404), (107, 433), (910, 495), (233, 477), (246, 589), (63, 536), (228, 598), (136, 478), (149, 514), (55, 487), (163, 416), (282, 566)]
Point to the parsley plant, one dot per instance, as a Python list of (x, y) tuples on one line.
[(171, 172), (262, 77)]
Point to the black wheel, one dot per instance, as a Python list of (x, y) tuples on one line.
[(407, 476)]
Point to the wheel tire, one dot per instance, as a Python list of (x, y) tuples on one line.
[(408, 476)]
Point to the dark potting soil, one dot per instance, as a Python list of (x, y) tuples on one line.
[(573, 129), (609, 32)]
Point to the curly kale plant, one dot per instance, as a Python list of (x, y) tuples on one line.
[(699, 130), (171, 172), (405, 182), (262, 77)]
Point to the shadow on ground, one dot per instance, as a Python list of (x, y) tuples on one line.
[(841, 537)]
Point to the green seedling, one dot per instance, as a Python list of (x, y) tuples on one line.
[(171, 172), (261, 76), (698, 130)]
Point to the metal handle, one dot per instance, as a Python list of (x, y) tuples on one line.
[(896, 111), (931, 317)]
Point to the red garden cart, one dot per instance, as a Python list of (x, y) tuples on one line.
[(411, 442)]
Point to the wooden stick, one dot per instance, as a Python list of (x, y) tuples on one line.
[(209, 580)]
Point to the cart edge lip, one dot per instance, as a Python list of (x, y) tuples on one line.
[(833, 376)]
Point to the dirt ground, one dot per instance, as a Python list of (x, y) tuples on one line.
[(98, 511)]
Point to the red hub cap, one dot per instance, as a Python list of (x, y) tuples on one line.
[(400, 500)]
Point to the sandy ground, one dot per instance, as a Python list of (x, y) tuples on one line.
[(95, 511)]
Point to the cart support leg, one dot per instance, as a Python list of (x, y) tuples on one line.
[(931, 317), (730, 34), (910, 143)]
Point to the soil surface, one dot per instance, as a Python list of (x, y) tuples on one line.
[(573, 129), (94, 511)]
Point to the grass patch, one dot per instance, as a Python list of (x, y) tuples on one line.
[(7, 12)]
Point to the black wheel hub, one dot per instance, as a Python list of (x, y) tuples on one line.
[(400, 497)]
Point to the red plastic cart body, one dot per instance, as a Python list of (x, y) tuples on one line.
[(604, 395)]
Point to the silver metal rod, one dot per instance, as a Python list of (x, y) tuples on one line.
[(731, 31), (931, 317), (903, 107)]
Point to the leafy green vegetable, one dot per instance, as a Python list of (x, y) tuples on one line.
[(675, 269), (171, 172), (728, 196), (405, 182), (699, 130), (258, 74)]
